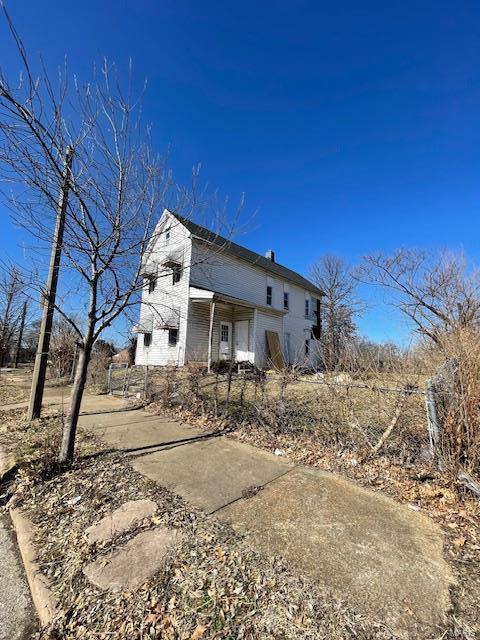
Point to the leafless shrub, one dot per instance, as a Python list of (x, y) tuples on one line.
[(98, 371), (62, 349), (457, 398)]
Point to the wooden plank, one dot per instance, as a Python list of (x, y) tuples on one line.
[(276, 355)]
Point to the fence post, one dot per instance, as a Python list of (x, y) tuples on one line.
[(145, 382), (109, 383), (432, 418), (126, 381)]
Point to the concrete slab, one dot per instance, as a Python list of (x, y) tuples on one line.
[(211, 473), (60, 397), (137, 430), (16, 609), (379, 556), (120, 520), (132, 565), (115, 418)]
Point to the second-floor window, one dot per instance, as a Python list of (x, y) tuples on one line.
[(269, 295), (307, 307), (167, 236), (286, 300)]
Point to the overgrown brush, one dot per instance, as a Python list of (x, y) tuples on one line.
[(457, 394)]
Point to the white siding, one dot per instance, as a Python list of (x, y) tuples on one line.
[(167, 296), (233, 277)]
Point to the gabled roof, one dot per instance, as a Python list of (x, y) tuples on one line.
[(231, 248)]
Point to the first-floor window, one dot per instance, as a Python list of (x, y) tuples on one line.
[(172, 337), (147, 339), (307, 347)]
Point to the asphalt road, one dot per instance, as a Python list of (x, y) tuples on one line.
[(17, 619)]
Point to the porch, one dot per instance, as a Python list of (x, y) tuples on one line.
[(221, 327)]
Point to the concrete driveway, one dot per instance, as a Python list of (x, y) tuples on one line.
[(380, 557)]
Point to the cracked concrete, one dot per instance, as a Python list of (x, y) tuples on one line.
[(372, 552)]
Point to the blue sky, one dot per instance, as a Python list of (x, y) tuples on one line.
[(350, 126)]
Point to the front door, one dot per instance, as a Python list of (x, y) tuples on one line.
[(241, 341), (225, 348)]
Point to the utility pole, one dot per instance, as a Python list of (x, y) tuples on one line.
[(41, 359), (20, 334)]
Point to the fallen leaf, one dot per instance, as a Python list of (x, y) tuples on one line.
[(199, 631)]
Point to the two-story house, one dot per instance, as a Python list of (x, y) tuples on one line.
[(206, 299)]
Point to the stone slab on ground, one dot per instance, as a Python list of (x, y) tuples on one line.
[(211, 473), (120, 520), (16, 609), (7, 462), (130, 566), (379, 556)]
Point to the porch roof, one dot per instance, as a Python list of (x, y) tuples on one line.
[(198, 294)]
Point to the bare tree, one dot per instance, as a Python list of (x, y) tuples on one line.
[(437, 295), (117, 190), (11, 302), (340, 305), (21, 328)]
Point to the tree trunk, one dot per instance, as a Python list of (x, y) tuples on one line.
[(70, 426)]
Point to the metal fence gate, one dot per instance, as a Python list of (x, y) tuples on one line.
[(127, 381)]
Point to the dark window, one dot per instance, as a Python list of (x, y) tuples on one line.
[(172, 337), (307, 347), (167, 236), (269, 296), (152, 283), (147, 339), (307, 307), (286, 300), (176, 273)]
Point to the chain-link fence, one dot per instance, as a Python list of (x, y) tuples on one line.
[(401, 415), (338, 410)]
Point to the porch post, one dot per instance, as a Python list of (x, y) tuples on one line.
[(255, 356), (210, 336)]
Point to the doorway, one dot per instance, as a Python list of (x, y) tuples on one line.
[(242, 352)]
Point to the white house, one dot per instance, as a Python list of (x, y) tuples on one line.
[(207, 298)]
